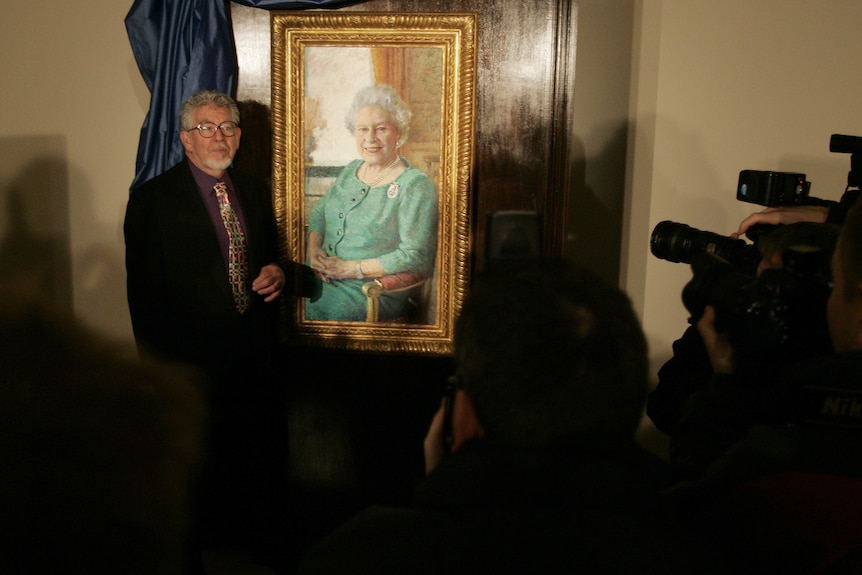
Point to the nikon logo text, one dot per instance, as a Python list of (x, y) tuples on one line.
[(842, 406)]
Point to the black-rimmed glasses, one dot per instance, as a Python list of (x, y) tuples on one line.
[(208, 129)]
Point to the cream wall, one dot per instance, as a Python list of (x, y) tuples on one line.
[(600, 124), (69, 79), (718, 87)]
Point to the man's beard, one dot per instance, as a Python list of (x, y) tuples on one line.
[(218, 164)]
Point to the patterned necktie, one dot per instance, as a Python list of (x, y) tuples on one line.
[(237, 262)]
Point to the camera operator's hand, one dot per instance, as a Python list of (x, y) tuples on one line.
[(717, 347), (783, 215)]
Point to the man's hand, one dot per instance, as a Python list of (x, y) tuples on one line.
[(783, 215), (717, 347), (269, 283)]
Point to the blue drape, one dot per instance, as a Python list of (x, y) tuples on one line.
[(182, 47)]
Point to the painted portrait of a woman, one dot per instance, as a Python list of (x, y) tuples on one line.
[(378, 219)]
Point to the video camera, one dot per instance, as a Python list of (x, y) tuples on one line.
[(780, 315)]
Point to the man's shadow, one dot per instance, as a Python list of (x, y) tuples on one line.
[(34, 232)]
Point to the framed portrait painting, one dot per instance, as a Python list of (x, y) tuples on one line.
[(373, 117)]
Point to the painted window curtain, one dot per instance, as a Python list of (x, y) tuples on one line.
[(182, 47)]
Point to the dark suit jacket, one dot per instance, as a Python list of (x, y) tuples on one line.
[(182, 309), (178, 289)]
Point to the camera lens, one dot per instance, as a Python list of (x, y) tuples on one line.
[(679, 243)]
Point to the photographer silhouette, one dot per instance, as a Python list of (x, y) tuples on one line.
[(773, 468)]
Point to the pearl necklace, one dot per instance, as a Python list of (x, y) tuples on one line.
[(385, 173)]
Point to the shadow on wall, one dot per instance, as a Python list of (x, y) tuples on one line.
[(254, 155), (34, 218), (36, 221), (595, 218)]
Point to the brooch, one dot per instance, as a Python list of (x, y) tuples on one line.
[(392, 192)]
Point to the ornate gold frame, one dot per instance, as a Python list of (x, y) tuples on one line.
[(455, 37)]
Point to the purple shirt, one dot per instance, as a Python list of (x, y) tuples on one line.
[(206, 183)]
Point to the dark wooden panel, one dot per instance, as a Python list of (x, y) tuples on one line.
[(357, 420)]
